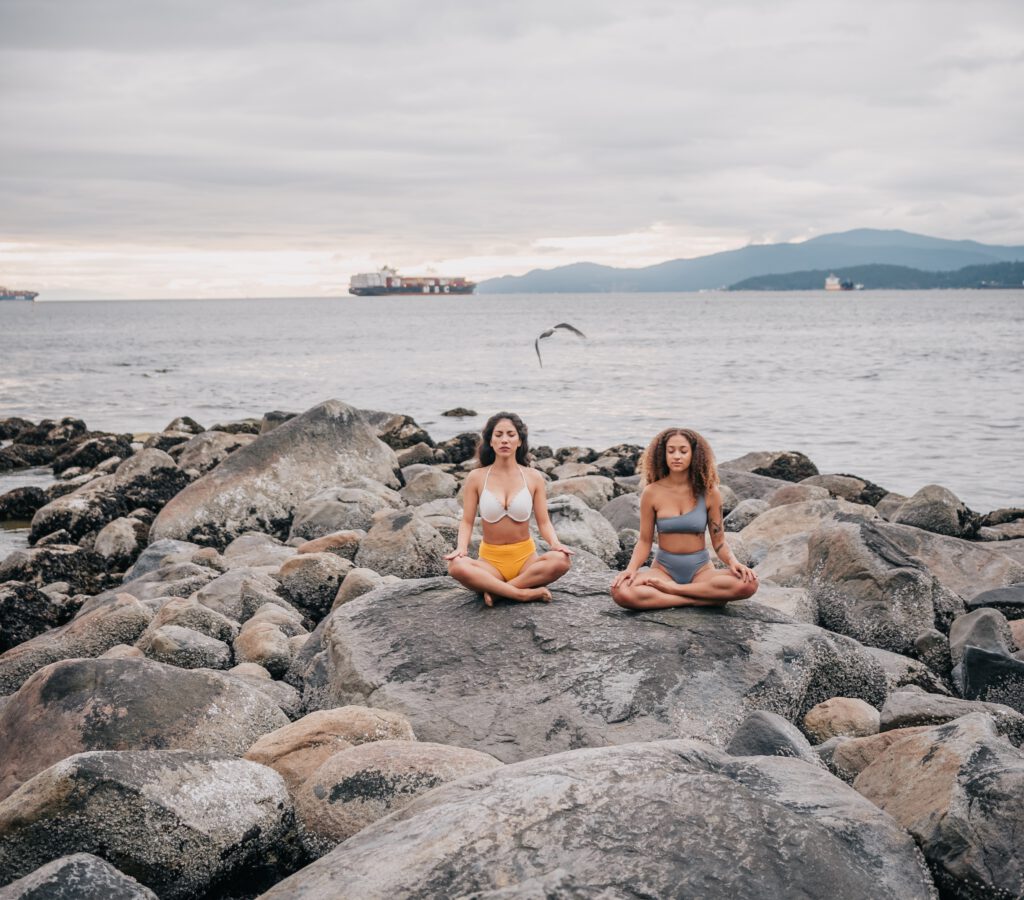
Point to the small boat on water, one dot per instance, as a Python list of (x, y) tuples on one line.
[(835, 283), (12, 294), (388, 281)]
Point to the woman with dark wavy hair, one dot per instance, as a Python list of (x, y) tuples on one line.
[(506, 491), (681, 501)]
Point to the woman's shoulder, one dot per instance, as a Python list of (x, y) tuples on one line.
[(476, 476), (533, 476), (712, 495)]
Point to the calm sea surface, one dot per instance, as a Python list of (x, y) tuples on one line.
[(905, 389)]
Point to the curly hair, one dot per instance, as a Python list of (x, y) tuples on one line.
[(485, 452), (703, 471)]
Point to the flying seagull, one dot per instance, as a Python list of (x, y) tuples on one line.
[(551, 331)]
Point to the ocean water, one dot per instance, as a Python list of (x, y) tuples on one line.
[(905, 389)]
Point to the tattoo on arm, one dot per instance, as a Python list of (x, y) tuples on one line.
[(716, 527)]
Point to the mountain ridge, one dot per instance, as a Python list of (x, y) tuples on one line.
[(856, 247)]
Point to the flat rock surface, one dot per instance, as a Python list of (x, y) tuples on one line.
[(527, 679), (664, 819)]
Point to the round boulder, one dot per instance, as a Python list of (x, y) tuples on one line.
[(849, 716)]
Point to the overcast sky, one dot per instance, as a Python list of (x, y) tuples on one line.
[(187, 148)]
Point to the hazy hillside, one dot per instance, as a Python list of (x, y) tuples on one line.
[(875, 277), (860, 247)]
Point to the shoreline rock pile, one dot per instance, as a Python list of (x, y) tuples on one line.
[(231, 663)]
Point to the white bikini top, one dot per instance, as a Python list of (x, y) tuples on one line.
[(518, 509)]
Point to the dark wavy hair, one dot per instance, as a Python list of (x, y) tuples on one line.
[(703, 471), (485, 452)]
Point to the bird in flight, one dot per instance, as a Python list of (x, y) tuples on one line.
[(564, 325)]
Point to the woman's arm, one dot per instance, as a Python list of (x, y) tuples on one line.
[(470, 501), (716, 527), (642, 550), (538, 488)]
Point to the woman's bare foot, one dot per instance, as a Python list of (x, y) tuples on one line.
[(488, 599), (540, 593)]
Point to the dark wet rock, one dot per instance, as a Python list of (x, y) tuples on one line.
[(26, 612), (666, 819), (11, 426), (258, 487), (414, 455), (21, 503), (185, 648), (57, 538), (167, 440), (91, 451), (50, 433), (149, 479), (242, 426), (117, 704), (186, 424), (19, 456), (956, 788), (119, 620), (207, 450), (937, 509), (995, 677), (578, 672), (1008, 600), (82, 569), (784, 465), (274, 419), (459, 412), (183, 823), (769, 734), (359, 785), (401, 543), (909, 708), (396, 430), (80, 876), (460, 448), (867, 587), (984, 628)]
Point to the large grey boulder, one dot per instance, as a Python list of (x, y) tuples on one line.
[(258, 487), (768, 734), (185, 647), (594, 490), (984, 628), (154, 555), (795, 521), (80, 876), (746, 485), (121, 704), (181, 822), (526, 679), (623, 511), (868, 588), (786, 465), (348, 507), (402, 544), (957, 789), (938, 509), (579, 526), (432, 484), (121, 620), (665, 819)]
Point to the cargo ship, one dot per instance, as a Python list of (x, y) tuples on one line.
[(388, 281), (835, 283), (12, 294)]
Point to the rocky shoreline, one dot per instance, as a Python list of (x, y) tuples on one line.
[(232, 665)]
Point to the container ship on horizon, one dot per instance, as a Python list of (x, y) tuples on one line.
[(388, 281), (12, 294)]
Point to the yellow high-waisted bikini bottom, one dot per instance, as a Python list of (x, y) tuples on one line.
[(508, 559)]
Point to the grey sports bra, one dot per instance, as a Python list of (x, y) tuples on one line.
[(693, 522)]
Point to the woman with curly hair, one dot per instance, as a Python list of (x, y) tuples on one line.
[(506, 491), (681, 501)]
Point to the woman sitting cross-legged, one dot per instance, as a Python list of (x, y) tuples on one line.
[(506, 492), (681, 500)]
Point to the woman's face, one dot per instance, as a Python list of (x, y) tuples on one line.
[(504, 438), (678, 454)]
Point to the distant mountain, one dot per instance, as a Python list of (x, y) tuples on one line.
[(863, 246), (874, 277)]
